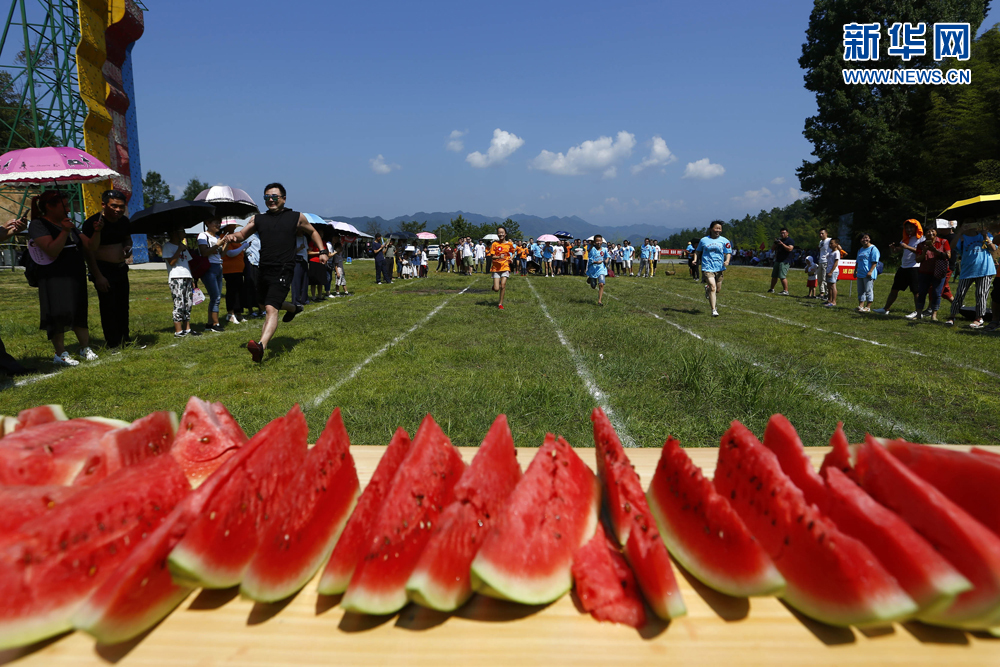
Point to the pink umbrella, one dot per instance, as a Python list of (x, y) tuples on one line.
[(38, 166), (426, 236), (550, 238)]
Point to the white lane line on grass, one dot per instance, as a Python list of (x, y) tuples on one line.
[(325, 394), (585, 375), (820, 392)]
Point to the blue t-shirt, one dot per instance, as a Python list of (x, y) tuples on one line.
[(547, 252), (712, 253), (867, 258), (689, 249), (976, 262), (536, 250), (594, 255), (644, 251), (627, 253)]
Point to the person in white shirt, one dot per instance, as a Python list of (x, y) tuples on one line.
[(480, 250), (558, 252), (467, 254), (177, 258), (824, 250), (423, 261)]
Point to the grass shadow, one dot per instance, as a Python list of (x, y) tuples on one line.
[(263, 612), (728, 608), (932, 634), (279, 346), (210, 598), (490, 610), (352, 622), (684, 311), (325, 603), (828, 634), (417, 618), (9, 655)]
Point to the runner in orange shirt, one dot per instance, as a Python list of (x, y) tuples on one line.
[(501, 251)]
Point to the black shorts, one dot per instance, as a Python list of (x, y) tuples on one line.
[(317, 273), (273, 283), (905, 279)]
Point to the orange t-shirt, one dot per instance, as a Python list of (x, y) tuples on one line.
[(501, 253)]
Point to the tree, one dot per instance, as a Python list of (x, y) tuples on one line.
[(373, 227), (513, 230), (413, 227), (194, 188), (154, 189)]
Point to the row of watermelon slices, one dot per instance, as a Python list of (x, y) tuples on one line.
[(102, 530)]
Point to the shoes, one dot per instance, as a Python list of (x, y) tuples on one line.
[(378, 282), (949, 323), (64, 360), (256, 351), (345, 294), (180, 334), (288, 317), (715, 313), (927, 312), (500, 306), (881, 311), (992, 326), (785, 293), (978, 324), (232, 319), (192, 332), (215, 328), (770, 291), (829, 305), (914, 315), (244, 320), (88, 354)]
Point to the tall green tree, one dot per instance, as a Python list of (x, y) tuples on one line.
[(866, 137), (413, 227), (194, 188), (154, 189), (513, 228)]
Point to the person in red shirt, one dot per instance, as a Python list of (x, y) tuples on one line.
[(501, 251), (933, 254)]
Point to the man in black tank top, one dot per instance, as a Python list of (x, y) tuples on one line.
[(277, 230)]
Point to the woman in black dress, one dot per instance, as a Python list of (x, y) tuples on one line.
[(62, 275)]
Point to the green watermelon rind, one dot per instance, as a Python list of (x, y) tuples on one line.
[(90, 620), (492, 581), (423, 589), (30, 630), (258, 591), (882, 610), (374, 603), (768, 582), (187, 568)]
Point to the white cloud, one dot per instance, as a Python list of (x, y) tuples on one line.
[(455, 142), (379, 165), (664, 205), (502, 146), (778, 181), (659, 155), (703, 169), (545, 196), (764, 197), (599, 155)]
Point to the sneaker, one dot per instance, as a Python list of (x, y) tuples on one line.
[(378, 282), (770, 291), (949, 323), (992, 326), (829, 305), (345, 294), (256, 351), (978, 324), (927, 313), (232, 319), (87, 354), (785, 293), (881, 311), (288, 317), (180, 334), (912, 316), (64, 360), (192, 332), (715, 313), (500, 306)]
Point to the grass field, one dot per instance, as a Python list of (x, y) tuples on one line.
[(390, 354)]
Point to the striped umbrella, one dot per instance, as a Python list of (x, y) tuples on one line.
[(229, 202)]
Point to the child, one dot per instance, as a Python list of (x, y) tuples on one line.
[(177, 257), (338, 267), (597, 269), (811, 276)]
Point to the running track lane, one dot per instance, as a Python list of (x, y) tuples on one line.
[(585, 375)]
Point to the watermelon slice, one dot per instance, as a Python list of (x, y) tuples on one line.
[(840, 456), (527, 554), (217, 548), (43, 414), (422, 487), (971, 482), (605, 584), (19, 504), (53, 562), (704, 533), (149, 436), (986, 454), (964, 542), (60, 452), (354, 541), (308, 520), (441, 578), (782, 439), (630, 513), (208, 435), (830, 576)]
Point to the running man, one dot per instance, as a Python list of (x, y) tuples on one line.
[(597, 266), (714, 251), (501, 251), (277, 230)]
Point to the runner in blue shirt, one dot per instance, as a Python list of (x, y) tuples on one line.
[(627, 252), (597, 266), (692, 265), (644, 259), (714, 252)]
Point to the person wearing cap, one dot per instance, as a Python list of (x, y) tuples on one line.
[(907, 276), (106, 236)]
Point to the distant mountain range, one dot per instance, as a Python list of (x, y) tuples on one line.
[(531, 225)]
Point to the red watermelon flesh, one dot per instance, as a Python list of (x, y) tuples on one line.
[(149, 436), (830, 576), (704, 533), (309, 518), (840, 456), (423, 485), (19, 504), (53, 562), (527, 554), (605, 584), (925, 576), (986, 454), (629, 513), (967, 544), (354, 541), (43, 414), (207, 436), (59, 452), (782, 439), (971, 482), (217, 548), (441, 578)]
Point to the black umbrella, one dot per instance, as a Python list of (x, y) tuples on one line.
[(402, 235), (179, 214)]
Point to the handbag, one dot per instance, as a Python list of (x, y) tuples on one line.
[(199, 267), (197, 296)]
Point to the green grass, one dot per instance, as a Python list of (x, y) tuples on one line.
[(391, 354)]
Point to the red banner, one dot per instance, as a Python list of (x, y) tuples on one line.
[(672, 253), (846, 268)]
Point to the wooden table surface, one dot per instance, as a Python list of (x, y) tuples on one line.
[(218, 627)]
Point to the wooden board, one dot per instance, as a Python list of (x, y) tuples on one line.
[(217, 627)]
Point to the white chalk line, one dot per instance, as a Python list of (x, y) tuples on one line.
[(325, 394), (585, 375), (830, 397)]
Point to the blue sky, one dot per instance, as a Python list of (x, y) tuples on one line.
[(628, 112)]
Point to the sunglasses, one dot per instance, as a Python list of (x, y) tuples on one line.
[(272, 197)]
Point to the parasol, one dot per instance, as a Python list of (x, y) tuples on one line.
[(426, 236), (38, 166), (563, 235), (983, 206), (229, 202), (548, 238), (162, 218), (491, 237)]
